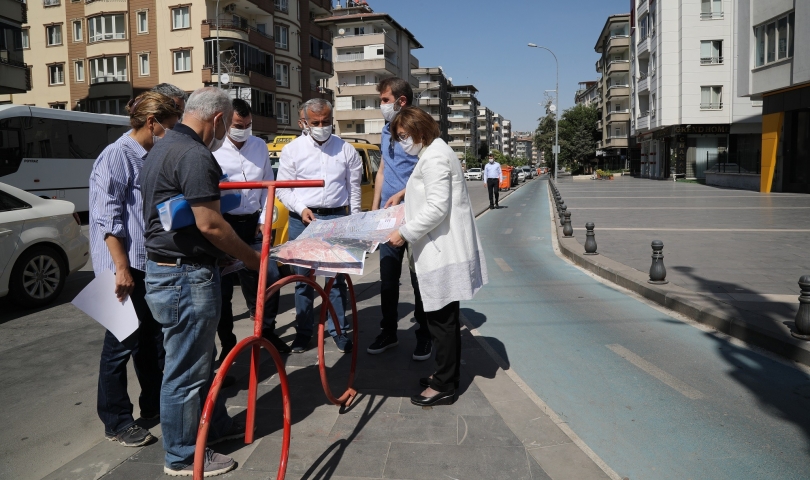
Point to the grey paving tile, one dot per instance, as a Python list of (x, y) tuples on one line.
[(153, 454), (133, 470), (425, 462), (535, 469), (567, 461), (530, 424), (471, 402), (318, 458), (491, 430), (388, 427), (93, 463)]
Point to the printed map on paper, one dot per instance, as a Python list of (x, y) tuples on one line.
[(340, 245)]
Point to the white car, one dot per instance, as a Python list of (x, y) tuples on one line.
[(521, 175), (41, 243), (474, 174)]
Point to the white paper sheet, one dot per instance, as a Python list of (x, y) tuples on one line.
[(98, 300)]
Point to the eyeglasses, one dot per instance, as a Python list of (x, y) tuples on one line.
[(401, 137)]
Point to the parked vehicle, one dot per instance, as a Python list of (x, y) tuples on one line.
[(41, 243), (521, 175), (474, 174), (529, 172)]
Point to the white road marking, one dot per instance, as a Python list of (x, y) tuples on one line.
[(682, 388), (508, 231), (504, 266), (517, 214)]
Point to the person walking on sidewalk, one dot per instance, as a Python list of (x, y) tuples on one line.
[(493, 176), (445, 247), (319, 155), (393, 175), (116, 241), (245, 158), (182, 277)]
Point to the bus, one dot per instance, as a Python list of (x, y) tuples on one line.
[(50, 152)]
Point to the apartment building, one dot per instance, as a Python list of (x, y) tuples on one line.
[(464, 137), (368, 47), (433, 96), (15, 76), (613, 90), (773, 71), (507, 141), (94, 55), (524, 143), (688, 113), (587, 93), (485, 126), (496, 140)]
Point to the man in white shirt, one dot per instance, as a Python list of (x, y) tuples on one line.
[(319, 155), (245, 158), (492, 176)]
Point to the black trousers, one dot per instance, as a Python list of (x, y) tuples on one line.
[(493, 186), (145, 346), (245, 228), (390, 271), (445, 327)]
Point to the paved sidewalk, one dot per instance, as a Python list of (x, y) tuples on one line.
[(495, 430)]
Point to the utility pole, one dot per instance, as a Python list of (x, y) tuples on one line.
[(556, 109)]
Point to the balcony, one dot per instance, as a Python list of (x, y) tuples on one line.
[(643, 121), (15, 77), (427, 102), (459, 119), (711, 106), (359, 114), (359, 63), (618, 42), (616, 91), (616, 66), (711, 60), (616, 142), (413, 62), (347, 41), (321, 33), (462, 94), (236, 31), (643, 46), (599, 125), (436, 117), (321, 65), (459, 143), (598, 66), (460, 106), (643, 83), (642, 8), (618, 116), (317, 91), (711, 15), (14, 10), (429, 85), (357, 89), (322, 5)]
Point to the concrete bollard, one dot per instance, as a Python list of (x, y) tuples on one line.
[(557, 199), (802, 330), (568, 230), (563, 209), (658, 273), (590, 239)]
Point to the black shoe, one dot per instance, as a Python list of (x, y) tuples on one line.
[(300, 344), (497, 206), (282, 347), (491, 206), (226, 349), (423, 350), (344, 345), (133, 436), (383, 342), (441, 398), (150, 415)]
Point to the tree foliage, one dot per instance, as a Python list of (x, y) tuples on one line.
[(483, 150), (544, 136), (578, 136)]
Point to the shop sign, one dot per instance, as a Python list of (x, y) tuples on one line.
[(701, 129)]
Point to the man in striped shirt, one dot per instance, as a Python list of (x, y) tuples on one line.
[(117, 244)]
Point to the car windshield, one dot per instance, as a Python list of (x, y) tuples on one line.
[(475, 170)]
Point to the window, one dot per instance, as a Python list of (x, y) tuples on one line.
[(652, 64), (56, 74), (51, 3), (282, 75), (359, 104), (78, 35), (283, 112), (642, 24), (54, 33), (281, 34), (711, 52), (262, 28), (711, 9), (247, 57), (106, 27), (774, 40), (182, 61), (360, 128), (180, 18), (113, 106), (58, 105), (8, 203), (26, 41), (108, 69), (652, 105), (711, 98), (282, 6), (143, 21), (78, 68), (262, 102), (143, 64)]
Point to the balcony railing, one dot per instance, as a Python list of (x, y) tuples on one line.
[(711, 60), (212, 22), (711, 106), (618, 111), (643, 113), (108, 79), (642, 75), (356, 57), (711, 15)]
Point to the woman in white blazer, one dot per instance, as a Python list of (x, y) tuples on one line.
[(444, 245)]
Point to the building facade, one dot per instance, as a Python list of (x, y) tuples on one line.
[(587, 93), (96, 55), (613, 91), (524, 147), (368, 47), (688, 112), (432, 96), (506, 138), (773, 71), (496, 140), (15, 75), (485, 126), (463, 130)]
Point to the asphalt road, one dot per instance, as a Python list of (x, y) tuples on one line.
[(653, 396)]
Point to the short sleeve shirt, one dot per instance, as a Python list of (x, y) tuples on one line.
[(179, 163), (398, 166)]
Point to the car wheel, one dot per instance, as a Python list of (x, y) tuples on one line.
[(38, 277)]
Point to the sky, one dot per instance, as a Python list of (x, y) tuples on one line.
[(484, 43)]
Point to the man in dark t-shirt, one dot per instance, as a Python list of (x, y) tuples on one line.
[(182, 277)]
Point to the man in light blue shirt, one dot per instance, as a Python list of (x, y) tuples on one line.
[(492, 176), (389, 189)]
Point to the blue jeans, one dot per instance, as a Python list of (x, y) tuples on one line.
[(185, 300), (305, 295)]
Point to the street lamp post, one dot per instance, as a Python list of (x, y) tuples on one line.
[(219, 69), (556, 109)]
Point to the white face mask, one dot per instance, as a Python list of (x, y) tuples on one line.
[(389, 111), (410, 147), (240, 135), (320, 134), (155, 138), (215, 143), (491, 160)]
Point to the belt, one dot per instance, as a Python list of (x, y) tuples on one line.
[(244, 217), (198, 260), (329, 211)]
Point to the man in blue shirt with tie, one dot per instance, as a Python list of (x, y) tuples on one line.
[(389, 190)]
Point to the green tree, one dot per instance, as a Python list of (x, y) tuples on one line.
[(578, 136), (483, 150), (544, 137), (471, 160)]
